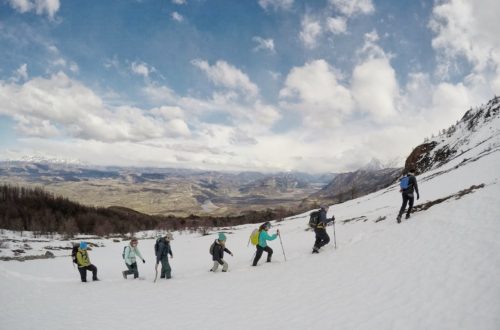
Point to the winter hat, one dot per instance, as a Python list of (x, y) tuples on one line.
[(169, 236), (267, 224), (323, 206), (222, 237), (83, 245)]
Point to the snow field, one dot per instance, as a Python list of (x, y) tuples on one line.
[(438, 270)]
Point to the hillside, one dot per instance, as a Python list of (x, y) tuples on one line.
[(437, 270)]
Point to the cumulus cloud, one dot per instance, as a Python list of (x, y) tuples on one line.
[(40, 7), (465, 30), (264, 44), (353, 7), (226, 75), (316, 92), (276, 4), (310, 32), (177, 17), (60, 105), (336, 25), (179, 2)]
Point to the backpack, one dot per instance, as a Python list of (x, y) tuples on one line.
[(404, 183), (254, 237), (123, 253), (313, 219), (74, 250), (211, 250)]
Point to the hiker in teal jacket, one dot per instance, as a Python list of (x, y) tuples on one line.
[(129, 254), (262, 246)]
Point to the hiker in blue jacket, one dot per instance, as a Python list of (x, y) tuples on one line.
[(262, 245), (130, 253), (162, 250), (408, 185), (322, 237)]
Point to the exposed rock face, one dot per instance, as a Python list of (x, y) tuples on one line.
[(457, 139)]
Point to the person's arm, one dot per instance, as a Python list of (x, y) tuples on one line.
[(138, 253), (227, 250), (170, 250), (415, 185), (79, 258), (269, 238)]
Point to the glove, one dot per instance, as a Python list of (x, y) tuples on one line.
[(418, 197), (143, 261), (231, 254)]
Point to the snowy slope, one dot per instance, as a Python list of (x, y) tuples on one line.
[(438, 270)]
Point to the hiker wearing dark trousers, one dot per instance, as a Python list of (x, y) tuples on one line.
[(322, 237), (408, 187), (162, 252), (262, 245), (84, 264), (129, 254), (217, 250)]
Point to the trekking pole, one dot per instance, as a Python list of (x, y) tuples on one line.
[(334, 236), (156, 273), (281, 242)]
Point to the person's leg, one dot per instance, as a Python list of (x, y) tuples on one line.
[(168, 270), (224, 266), (317, 242), (403, 206), (93, 269), (215, 266), (269, 253), (258, 254), (325, 239), (83, 274), (410, 206), (134, 270), (163, 268)]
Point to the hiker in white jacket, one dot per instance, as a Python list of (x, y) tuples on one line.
[(130, 252)]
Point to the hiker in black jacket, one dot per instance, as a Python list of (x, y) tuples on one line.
[(322, 237), (217, 250), (408, 185), (162, 250)]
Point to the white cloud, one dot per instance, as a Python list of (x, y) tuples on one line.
[(353, 7), (179, 2), (315, 91), (264, 44), (336, 25), (468, 30), (40, 7), (276, 4), (177, 17), (142, 69), (311, 30), (60, 105), (226, 75)]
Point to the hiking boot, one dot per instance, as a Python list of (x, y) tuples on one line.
[(407, 216), (95, 279), (315, 250), (124, 274), (224, 271), (399, 218)]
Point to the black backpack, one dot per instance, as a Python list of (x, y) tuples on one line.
[(313, 219), (157, 246), (212, 248), (74, 250), (123, 253)]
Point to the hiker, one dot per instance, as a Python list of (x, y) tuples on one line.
[(84, 264), (408, 185), (262, 245), (322, 237), (162, 250), (129, 254), (217, 251)]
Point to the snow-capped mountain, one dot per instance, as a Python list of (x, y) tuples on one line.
[(477, 130)]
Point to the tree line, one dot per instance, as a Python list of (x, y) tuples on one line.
[(34, 209)]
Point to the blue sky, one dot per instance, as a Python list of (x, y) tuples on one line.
[(265, 85)]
